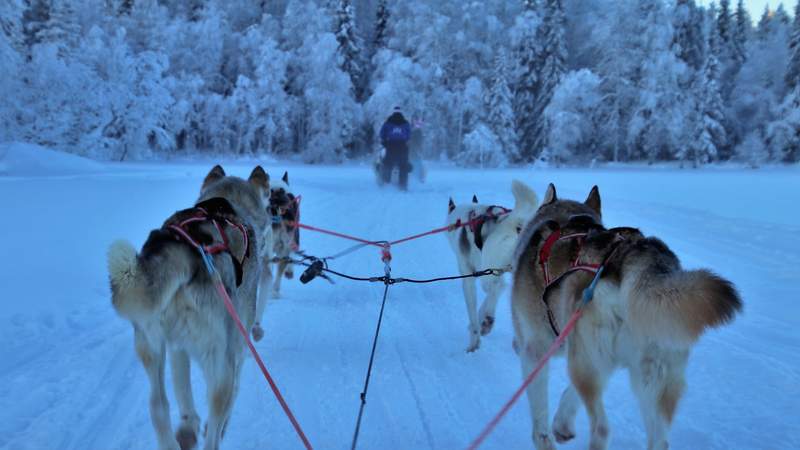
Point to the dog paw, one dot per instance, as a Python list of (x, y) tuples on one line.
[(474, 342), (187, 437), (289, 274), (543, 442), (258, 332), (275, 295), (486, 325), (563, 432)]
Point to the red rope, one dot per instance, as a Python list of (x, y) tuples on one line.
[(232, 311), (553, 349), (450, 227)]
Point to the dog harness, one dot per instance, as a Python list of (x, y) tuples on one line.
[(476, 221), (575, 266), (218, 211)]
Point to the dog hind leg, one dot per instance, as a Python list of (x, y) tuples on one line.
[(221, 390), (182, 382), (564, 421), (589, 379), (153, 357), (658, 384)]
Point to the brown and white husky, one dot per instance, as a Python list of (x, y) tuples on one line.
[(645, 315)]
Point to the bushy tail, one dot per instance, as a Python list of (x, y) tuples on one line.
[(680, 306), (136, 292), (524, 196)]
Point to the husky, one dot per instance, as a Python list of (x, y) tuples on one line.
[(284, 208), (171, 301), (487, 241), (645, 315)]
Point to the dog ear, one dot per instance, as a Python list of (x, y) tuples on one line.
[(474, 198), (550, 195), (593, 200), (285, 177), (451, 206), (259, 178), (216, 173)]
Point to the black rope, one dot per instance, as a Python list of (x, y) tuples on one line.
[(481, 273), (363, 395)]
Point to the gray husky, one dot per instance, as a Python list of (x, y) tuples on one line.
[(285, 209), (169, 298), (646, 314)]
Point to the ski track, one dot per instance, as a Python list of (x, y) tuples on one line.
[(72, 380)]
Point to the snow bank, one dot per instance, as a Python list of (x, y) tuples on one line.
[(22, 159)]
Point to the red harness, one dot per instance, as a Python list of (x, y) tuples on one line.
[(575, 266), (181, 229)]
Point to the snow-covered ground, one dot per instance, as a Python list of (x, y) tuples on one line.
[(69, 378)]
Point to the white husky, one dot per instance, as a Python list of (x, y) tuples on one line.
[(487, 242)]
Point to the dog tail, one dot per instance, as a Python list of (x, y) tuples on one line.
[(682, 305), (141, 285), (524, 196)]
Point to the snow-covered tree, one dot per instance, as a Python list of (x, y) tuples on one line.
[(688, 38), (381, 26), (527, 52), (552, 65), (500, 109), (349, 51), (752, 150), (783, 134), (741, 34), (11, 61), (793, 71), (657, 128), (708, 118), (573, 115), (265, 126), (481, 149)]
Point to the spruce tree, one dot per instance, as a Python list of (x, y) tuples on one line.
[(501, 113), (764, 24), (710, 136), (741, 33), (34, 21), (349, 50), (381, 26), (793, 70), (552, 65), (688, 36), (526, 81)]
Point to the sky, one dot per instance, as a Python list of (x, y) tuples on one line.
[(756, 7)]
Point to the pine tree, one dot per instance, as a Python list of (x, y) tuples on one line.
[(552, 66), (349, 51), (741, 33), (381, 26), (793, 70), (783, 134), (526, 81), (501, 113)]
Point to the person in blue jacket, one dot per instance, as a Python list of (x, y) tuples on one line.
[(395, 133)]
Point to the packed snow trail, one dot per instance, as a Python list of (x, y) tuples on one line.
[(69, 377)]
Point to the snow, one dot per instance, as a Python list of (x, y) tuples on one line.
[(70, 379), (29, 160)]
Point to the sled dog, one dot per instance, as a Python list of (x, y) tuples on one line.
[(169, 298), (284, 208), (645, 315), (487, 242)]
